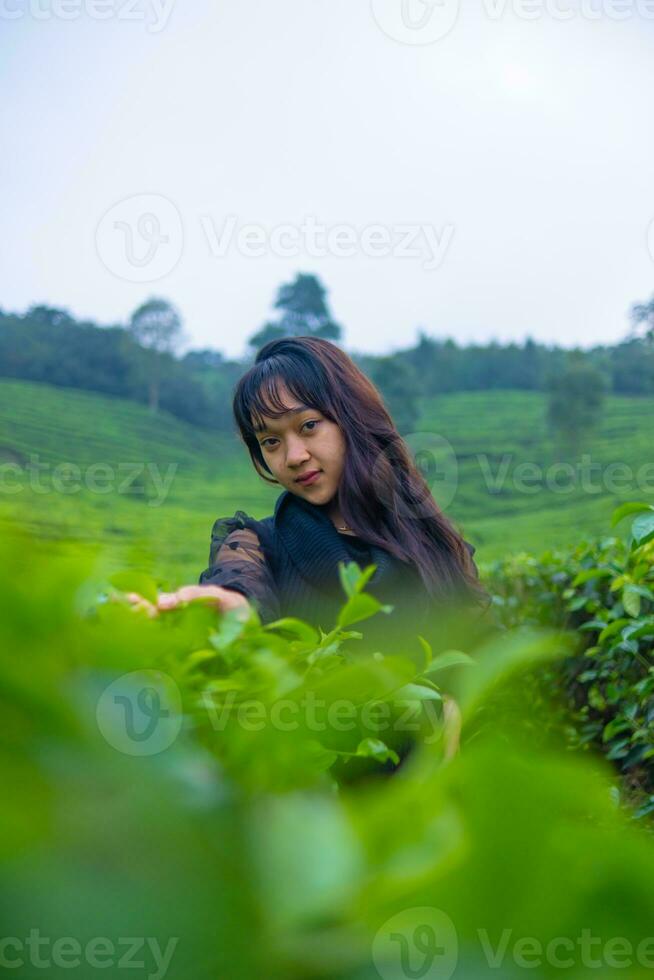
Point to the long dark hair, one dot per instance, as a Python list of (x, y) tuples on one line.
[(382, 495)]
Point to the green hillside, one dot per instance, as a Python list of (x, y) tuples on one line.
[(148, 488), (494, 433), (103, 471)]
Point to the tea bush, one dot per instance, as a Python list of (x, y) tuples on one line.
[(603, 592), (200, 796)]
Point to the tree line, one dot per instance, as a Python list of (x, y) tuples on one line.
[(139, 360)]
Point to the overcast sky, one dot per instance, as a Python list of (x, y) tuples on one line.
[(472, 172)]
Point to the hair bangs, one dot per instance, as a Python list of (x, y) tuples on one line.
[(262, 394)]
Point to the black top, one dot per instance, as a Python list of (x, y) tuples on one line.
[(287, 565)]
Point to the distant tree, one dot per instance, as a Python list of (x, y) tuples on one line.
[(642, 315), (217, 377), (268, 332), (156, 326), (46, 344), (304, 312), (398, 385), (438, 364), (204, 360), (576, 400), (631, 365), (49, 316)]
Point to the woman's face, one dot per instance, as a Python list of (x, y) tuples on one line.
[(300, 442)]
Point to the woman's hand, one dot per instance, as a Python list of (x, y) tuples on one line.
[(216, 595)]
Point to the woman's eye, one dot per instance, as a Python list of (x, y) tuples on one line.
[(265, 443)]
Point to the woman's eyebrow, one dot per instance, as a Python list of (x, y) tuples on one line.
[(292, 411)]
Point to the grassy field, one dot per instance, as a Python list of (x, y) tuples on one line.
[(145, 490), (560, 497)]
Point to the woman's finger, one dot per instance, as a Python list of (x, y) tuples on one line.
[(139, 603), (223, 599), (168, 600), (189, 592)]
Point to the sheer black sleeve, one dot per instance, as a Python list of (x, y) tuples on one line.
[(237, 561)]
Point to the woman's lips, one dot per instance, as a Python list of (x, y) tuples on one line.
[(310, 479)]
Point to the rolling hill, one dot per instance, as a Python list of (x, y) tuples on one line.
[(104, 473)]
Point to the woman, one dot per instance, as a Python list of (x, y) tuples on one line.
[(315, 425)]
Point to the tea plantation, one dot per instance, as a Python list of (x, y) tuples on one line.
[(147, 489), (195, 795)]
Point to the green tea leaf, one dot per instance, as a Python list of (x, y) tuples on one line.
[(624, 510), (642, 529), (450, 658), (374, 748), (591, 573), (359, 607), (296, 627), (631, 600), (416, 692)]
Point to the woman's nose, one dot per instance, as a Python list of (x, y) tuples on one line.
[(296, 453)]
